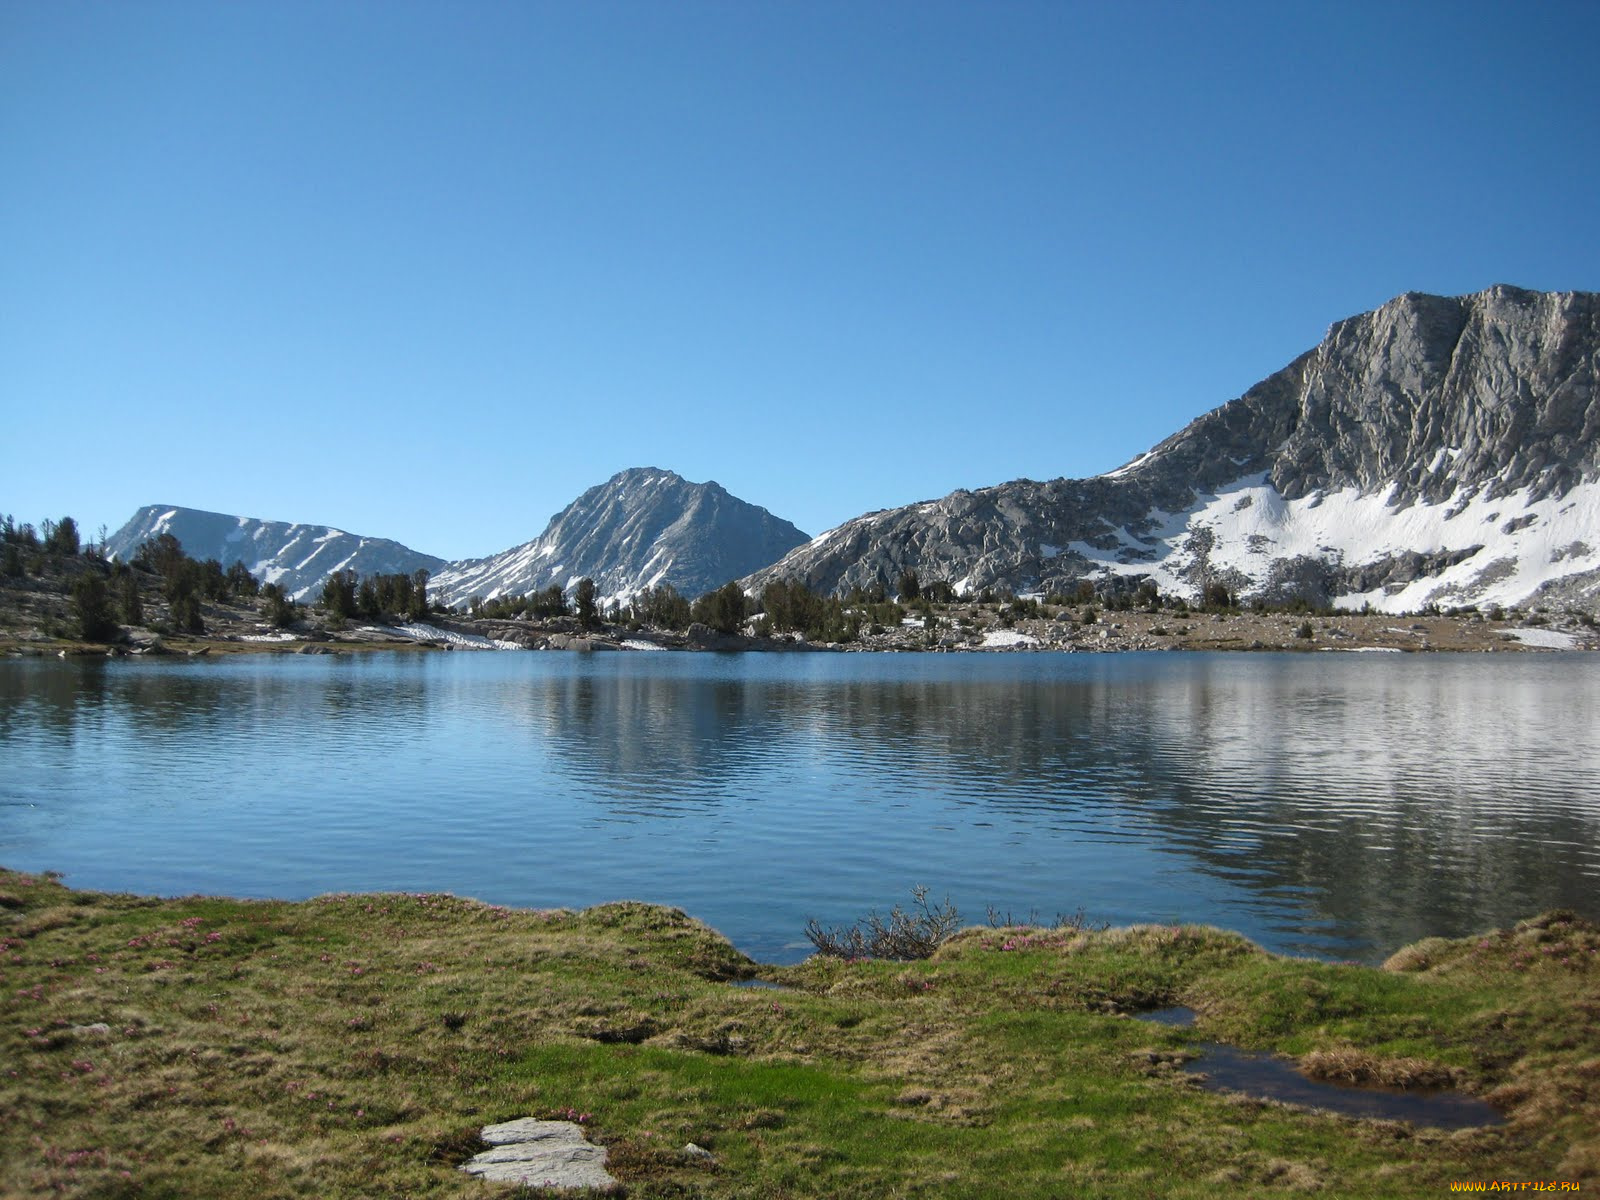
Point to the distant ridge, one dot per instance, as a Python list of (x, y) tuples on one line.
[(298, 558), (641, 528)]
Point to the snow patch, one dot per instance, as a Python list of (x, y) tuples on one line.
[(1128, 466), (432, 633), (995, 638), (1252, 525), (1544, 639)]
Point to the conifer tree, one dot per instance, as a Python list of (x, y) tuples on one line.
[(131, 603), (588, 616), (63, 537), (92, 607)]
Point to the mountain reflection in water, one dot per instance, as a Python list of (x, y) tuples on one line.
[(1336, 805)]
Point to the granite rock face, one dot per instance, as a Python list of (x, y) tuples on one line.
[(1437, 450), (641, 528)]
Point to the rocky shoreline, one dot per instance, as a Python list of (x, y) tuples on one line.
[(959, 629)]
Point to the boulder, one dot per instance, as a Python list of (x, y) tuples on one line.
[(537, 1154), (703, 637)]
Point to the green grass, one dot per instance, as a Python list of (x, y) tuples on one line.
[(353, 1046)]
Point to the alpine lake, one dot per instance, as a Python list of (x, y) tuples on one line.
[(1334, 806)]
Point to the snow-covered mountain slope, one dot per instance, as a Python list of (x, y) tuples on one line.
[(641, 528), (298, 558), (1437, 450)]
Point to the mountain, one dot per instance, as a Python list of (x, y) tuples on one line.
[(1437, 450), (298, 558), (641, 528)]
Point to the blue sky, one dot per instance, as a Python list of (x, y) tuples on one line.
[(427, 271)]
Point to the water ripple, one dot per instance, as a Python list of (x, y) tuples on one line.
[(1338, 809)]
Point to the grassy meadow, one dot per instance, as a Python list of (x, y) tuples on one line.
[(352, 1045)]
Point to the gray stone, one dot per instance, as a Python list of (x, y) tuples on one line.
[(703, 637), (539, 1153), (532, 1129)]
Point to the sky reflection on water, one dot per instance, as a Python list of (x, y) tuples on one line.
[(1336, 805)]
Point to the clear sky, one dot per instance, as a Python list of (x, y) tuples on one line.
[(428, 270)]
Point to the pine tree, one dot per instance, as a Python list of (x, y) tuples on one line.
[(240, 581), (280, 610), (588, 617), (419, 594), (339, 595), (162, 554), (92, 606), (131, 603), (723, 609)]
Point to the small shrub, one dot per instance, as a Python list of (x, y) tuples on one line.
[(902, 935), (1076, 922), (1303, 630)]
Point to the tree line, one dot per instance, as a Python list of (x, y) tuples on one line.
[(346, 595), (783, 606), (111, 593)]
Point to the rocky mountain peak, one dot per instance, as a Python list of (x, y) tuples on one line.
[(1404, 460), (641, 528)]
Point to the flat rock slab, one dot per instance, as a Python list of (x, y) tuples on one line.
[(541, 1154)]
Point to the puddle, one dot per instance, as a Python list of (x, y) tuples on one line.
[(757, 983), (1181, 1018), (1257, 1073)]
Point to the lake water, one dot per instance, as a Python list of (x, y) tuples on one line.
[(1337, 805)]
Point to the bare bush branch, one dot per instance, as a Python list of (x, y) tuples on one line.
[(901, 935)]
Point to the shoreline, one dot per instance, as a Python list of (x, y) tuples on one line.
[(984, 633)]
